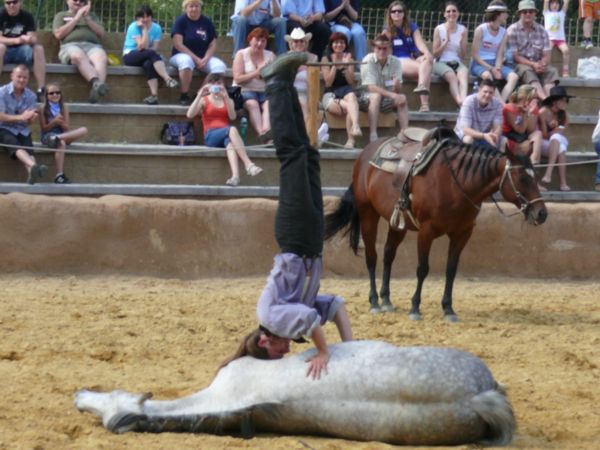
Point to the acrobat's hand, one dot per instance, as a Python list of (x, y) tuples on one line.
[(316, 365)]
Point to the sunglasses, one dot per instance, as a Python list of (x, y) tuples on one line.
[(54, 93), (13, 2), (396, 11)]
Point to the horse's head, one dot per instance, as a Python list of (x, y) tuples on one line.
[(439, 133), (518, 185)]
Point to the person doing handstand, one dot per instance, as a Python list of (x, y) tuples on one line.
[(290, 306)]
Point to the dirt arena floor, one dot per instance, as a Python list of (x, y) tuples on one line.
[(59, 334)]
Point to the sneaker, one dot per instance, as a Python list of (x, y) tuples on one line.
[(97, 91), (103, 89), (586, 44), (185, 100), (61, 178), (53, 141), (253, 170), (323, 132), (40, 94), (37, 172), (151, 100), (172, 83)]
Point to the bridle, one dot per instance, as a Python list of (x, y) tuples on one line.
[(524, 204)]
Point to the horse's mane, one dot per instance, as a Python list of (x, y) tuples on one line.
[(473, 157)]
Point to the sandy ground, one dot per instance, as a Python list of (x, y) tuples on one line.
[(59, 334)]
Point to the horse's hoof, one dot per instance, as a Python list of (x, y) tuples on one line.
[(451, 318), (375, 310), (415, 316), (388, 308)]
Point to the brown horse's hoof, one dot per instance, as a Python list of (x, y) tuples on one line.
[(388, 308), (375, 310), (451, 318), (415, 316)]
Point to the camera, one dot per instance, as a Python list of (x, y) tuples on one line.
[(214, 89)]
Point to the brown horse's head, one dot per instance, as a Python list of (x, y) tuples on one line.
[(518, 185)]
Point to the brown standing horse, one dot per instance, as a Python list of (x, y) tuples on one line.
[(445, 199)]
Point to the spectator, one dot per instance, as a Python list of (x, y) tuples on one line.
[(140, 49), (339, 98), (531, 50), (342, 16), (217, 110), (489, 48), (589, 10), (381, 73), (79, 32), (555, 17), (449, 49), (409, 46), (554, 143), (480, 119), (55, 125), (17, 111), (18, 42), (251, 14), (246, 73), (298, 42), (596, 142), (308, 15), (194, 45)]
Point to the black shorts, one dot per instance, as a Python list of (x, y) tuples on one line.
[(15, 141)]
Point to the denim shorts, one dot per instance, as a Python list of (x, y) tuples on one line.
[(19, 54), (477, 69), (217, 137), (260, 97)]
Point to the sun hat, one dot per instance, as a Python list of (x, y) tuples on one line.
[(298, 34), (498, 7), (526, 4), (556, 93)]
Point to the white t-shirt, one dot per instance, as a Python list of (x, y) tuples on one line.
[(451, 52), (554, 23)]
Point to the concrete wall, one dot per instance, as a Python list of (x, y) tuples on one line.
[(191, 238)]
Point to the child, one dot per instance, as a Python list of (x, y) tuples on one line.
[(55, 125), (217, 110), (554, 22), (558, 151), (290, 306)]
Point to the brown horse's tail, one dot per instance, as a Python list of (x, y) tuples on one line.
[(345, 214)]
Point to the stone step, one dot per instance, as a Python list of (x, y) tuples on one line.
[(219, 192), (171, 165)]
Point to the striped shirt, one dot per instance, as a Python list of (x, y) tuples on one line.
[(480, 118)]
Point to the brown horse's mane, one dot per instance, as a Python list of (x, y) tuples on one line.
[(473, 159)]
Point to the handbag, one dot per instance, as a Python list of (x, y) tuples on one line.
[(235, 94), (178, 133)]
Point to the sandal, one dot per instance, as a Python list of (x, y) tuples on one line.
[(172, 83), (424, 108), (349, 144), (233, 181), (253, 170), (565, 188), (420, 89)]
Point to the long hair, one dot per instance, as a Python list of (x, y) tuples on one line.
[(405, 21), (248, 347), (525, 92), (46, 104)]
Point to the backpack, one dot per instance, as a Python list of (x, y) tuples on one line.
[(178, 133)]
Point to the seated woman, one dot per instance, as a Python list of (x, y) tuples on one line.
[(489, 47), (140, 49), (194, 45), (246, 73), (217, 110), (339, 98), (290, 307), (298, 42), (449, 49), (519, 124), (343, 16), (409, 46)]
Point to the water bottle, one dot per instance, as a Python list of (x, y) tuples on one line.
[(475, 87), (243, 128)]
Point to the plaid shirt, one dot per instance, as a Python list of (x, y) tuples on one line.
[(13, 105), (479, 118), (372, 73), (530, 43)]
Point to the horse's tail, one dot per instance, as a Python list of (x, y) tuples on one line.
[(345, 214), (496, 411)]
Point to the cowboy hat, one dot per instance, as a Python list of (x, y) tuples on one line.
[(497, 7), (526, 5), (556, 93), (298, 34)]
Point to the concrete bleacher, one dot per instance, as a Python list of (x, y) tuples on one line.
[(122, 148)]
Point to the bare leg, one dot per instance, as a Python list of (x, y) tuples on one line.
[(39, 66), (99, 60), (452, 81), (25, 158), (553, 148), (2, 53), (233, 162), (266, 120), (342, 321), (59, 157), (541, 93), (73, 135), (185, 79), (536, 146), (153, 85), (463, 83), (83, 64), (564, 49), (402, 111), (374, 103), (161, 70), (562, 172), (238, 145), (253, 109), (511, 82), (352, 112)]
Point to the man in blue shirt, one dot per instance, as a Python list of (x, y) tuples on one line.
[(250, 14), (17, 111), (308, 15)]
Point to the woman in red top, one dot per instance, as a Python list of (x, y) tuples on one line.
[(519, 123), (217, 111)]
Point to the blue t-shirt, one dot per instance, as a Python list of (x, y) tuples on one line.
[(134, 31), (404, 46), (197, 34)]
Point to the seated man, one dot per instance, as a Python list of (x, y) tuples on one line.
[(308, 15), (251, 14), (480, 118), (18, 42), (17, 111), (381, 73), (531, 49), (342, 16), (79, 32)]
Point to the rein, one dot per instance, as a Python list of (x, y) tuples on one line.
[(524, 203), (465, 195)]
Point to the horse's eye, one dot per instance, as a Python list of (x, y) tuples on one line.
[(530, 173)]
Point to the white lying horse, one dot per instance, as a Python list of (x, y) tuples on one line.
[(374, 391)]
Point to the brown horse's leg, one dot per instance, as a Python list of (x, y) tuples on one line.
[(424, 240), (394, 238), (455, 248), (368, 230)]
